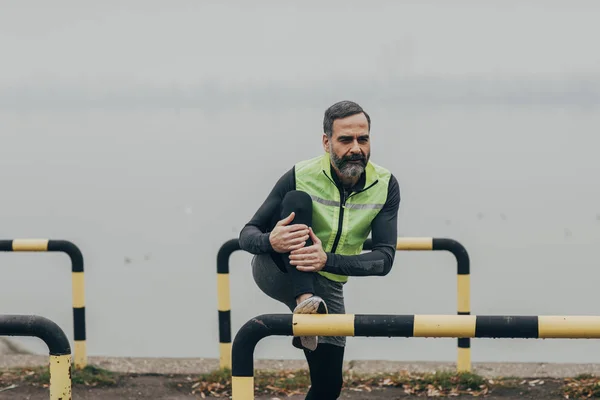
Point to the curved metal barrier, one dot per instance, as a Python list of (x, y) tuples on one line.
[(459, 326), (463, 281), (224, 300), (64, 246), (403, 244), (58, 348)]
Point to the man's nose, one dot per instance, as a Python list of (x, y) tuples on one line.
[(355, 149)]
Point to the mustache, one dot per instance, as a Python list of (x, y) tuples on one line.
[(354, 158)]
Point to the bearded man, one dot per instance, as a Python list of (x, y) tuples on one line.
[(307, 236)]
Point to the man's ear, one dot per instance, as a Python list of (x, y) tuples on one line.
[(325, 143)]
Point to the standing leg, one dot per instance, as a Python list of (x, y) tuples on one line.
[(326, 372), (326, 362)]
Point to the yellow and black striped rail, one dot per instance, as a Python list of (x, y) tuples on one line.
[(58, 348), (435, 326), (224, 300), (463, 281), (403, 244), (78, 287)]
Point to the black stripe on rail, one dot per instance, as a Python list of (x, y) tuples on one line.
[(79, 323), (224, 253), (384, 325), (6, 245), (40, 327), (242, 351), (225, 326), (464, 343), (506, 327), (71, 250), (458, 250)]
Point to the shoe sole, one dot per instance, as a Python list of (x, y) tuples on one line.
[(316, 306)]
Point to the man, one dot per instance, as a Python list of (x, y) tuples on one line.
[(307, 236)]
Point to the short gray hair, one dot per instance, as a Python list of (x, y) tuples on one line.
[(341, 109)]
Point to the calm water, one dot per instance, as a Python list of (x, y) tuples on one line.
[(149, 136)]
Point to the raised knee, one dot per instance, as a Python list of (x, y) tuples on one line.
[(297, 200)]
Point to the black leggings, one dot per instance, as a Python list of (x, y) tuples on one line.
[(326, 366), (301, 204)]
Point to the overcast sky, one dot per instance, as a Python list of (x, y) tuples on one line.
[(130, 46)]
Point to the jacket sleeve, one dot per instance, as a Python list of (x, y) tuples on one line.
[(254, 237), (384, 233)]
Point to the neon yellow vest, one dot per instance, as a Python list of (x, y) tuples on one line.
[(314, 177)]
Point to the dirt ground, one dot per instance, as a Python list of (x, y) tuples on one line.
[(177, 379), (179, 387)]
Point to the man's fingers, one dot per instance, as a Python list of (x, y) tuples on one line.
[(301, 251), (295, 247), (301, 239), (296, 235), (314, 237), (299, 256), (303, 256), (298, 227), (306, 269), (287, 219), (303, 263), (294, 229)]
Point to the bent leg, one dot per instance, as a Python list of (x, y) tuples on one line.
[(303, 283), (272, 281), (301, 204), (326, 372)]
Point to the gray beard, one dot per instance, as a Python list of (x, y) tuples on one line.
[(347, 169)]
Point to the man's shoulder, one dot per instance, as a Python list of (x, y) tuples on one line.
[(386, 175), (382, 172), (289, 176), (287, 181), (378, 166)]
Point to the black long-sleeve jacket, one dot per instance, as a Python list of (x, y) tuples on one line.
[(254, 237)]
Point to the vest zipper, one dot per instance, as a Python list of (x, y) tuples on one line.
[(340, 219), (343, 199)]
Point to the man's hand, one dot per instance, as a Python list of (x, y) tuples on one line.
[(311, 258), (285, 238)]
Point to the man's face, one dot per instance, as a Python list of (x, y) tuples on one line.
[(349, 146)]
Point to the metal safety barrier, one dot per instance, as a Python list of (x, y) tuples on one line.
[(58, 348), (78, 287), (224, 300), (437, 326), (403, 244), (463, 282)]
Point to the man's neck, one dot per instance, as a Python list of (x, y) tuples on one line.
[(348, 182)]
